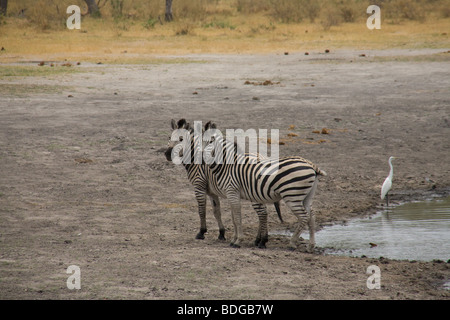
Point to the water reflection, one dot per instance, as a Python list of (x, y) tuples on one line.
[(412, 231)]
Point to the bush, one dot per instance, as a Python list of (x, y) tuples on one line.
[(295, 10), (194, 10), (399, 10), (253, 6), (331, 16), (184, 28), (150, 23)]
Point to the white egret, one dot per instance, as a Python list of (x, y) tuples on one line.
[(387, 183)]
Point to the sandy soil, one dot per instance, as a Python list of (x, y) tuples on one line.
[(83, 180)]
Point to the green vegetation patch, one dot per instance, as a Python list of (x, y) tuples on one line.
[(36, 71), (24, 90)]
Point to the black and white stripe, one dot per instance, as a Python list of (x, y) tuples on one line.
[(293, 179), (204, 182)]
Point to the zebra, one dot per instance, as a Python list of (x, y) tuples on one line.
[(293, 179), (204, 182)]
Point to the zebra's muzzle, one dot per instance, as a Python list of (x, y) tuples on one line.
[(168, 154)]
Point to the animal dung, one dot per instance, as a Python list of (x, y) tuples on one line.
[(269, 141), (323, 131), (372, 245), (83, 160), (291, 127), (261, 83), (291, 134)]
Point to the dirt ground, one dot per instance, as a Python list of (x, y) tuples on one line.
[(83, 180)]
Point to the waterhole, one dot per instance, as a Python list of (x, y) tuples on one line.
[(411, 231)]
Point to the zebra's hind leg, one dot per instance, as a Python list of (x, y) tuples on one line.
[(216, 209), (312, 219), (262, 237), (302, 216)]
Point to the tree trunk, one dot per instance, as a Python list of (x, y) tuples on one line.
[(93, 9), (168, 15), (3, 7)]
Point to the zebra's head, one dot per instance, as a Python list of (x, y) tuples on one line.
[(186, 142), (177, 141), (218, 151)]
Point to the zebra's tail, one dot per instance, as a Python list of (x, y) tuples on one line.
[(277, 207), (314, 166)]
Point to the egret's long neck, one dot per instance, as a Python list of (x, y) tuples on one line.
[(391, 173)]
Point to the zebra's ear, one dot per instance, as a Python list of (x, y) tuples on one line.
[(210, 125), (173, 124), (181, 124)]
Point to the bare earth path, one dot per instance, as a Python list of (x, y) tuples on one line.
[(83, 180)]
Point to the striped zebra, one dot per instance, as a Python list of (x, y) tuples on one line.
[(293, 179), (204, 182)]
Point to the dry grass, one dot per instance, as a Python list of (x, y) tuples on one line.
[(24, 90), (210, 26)]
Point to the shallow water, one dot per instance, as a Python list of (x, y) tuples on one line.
[(411, 231)]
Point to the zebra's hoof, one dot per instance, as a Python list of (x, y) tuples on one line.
[(200, 236), (262, 246), (222, 235)]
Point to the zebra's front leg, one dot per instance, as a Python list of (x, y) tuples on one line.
[(235, 203), (262, 237), (201, 202), (217, 214)]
